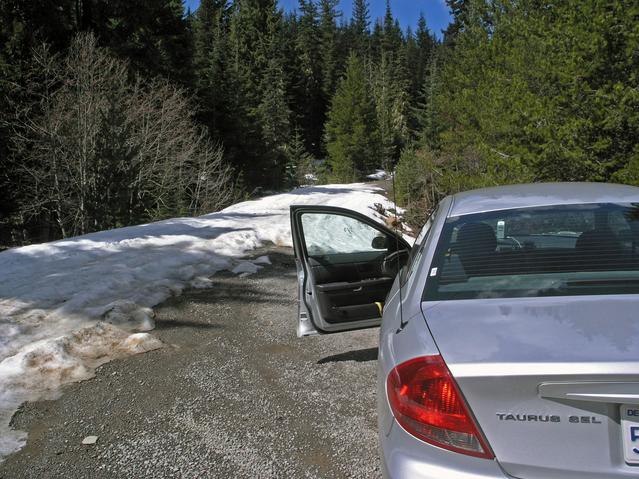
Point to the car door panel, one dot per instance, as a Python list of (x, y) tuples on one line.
[(345, 302), (355, 267), (343, 285)]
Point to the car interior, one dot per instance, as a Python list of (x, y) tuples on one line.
[(475, 250), (352, 282)]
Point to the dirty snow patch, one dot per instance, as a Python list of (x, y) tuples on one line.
[(262, 260), (246, 267), (378, 175), (39, 369)]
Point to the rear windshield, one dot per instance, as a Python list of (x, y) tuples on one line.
[(543, 251)]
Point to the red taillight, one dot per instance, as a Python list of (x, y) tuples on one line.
[(426, 402)]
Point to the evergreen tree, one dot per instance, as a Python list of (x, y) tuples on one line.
[(154, 36), (299, 167), (390, 82), (424, 50), (377, 39), (391, 106), (360, 26), (420, 54), (329, 47), (210, 25), (272, 111), (392, 39), (308, 103), (459, 12), (424, 117), (413, 67), (259, 104), (351, 129)]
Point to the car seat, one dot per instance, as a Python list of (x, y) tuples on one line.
[(476, 244), (597, 248)]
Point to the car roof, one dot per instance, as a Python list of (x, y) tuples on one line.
[(540, 194)]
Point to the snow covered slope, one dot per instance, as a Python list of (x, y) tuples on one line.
[(68, 306)]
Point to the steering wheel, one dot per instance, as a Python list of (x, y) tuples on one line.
[(393, 262), (514, 243)]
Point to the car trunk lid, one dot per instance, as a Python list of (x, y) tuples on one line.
[(546, 378)]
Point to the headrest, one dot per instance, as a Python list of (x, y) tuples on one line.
[(476, 238)]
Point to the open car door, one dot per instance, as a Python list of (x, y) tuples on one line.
[(346, 265)]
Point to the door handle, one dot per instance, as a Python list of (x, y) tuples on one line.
[(357, 290), (610, 392)]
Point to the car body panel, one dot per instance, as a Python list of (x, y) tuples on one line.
[(510, 347), (540, 194), (403, 455), (340, 291)]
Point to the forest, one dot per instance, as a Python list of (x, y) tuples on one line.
[(128, 111)]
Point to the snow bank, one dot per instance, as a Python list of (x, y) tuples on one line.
[(379, 175), (68, 306)]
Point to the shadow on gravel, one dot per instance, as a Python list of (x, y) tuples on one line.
[(230, 288), (181, 323), (236, 291), (360, 355)]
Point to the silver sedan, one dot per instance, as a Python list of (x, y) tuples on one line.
[(509, 340)]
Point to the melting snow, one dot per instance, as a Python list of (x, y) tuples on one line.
[(246, 267), (379, 175), (69, 306)]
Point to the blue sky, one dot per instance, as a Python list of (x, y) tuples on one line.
[(407, 11)]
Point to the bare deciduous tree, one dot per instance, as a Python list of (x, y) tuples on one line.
[(104, 149)]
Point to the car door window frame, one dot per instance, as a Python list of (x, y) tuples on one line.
[(391, 239), (418, 248), (311, 319)]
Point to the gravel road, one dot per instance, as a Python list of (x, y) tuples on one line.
[(233, 394)]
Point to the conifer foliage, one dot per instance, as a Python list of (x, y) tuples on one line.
[(351, 129), (285, 98), (171, 101), (524, 90)]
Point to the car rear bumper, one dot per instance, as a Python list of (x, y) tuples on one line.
[(404, 456)]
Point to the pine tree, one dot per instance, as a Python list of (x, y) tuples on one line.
[(299, 167), (209, 48), (308, 103), (419, 52), (459, 12), (351, 129), (153, 36), (329, 46), (424, 115), (391, 106), (392, 39), (377, 40), (425, 43), (360, 26), (412, 55), (259, 91), (391, 81), (272, 111), (273, 114)]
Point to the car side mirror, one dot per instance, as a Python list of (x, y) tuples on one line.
[(380, 242)]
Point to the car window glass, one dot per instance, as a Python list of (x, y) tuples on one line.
[(417, 249), (329, 233), (542, 251)]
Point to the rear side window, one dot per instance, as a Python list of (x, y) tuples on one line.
[(417, 249), (542, 251)]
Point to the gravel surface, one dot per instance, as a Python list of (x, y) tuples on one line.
[(234, 393)]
